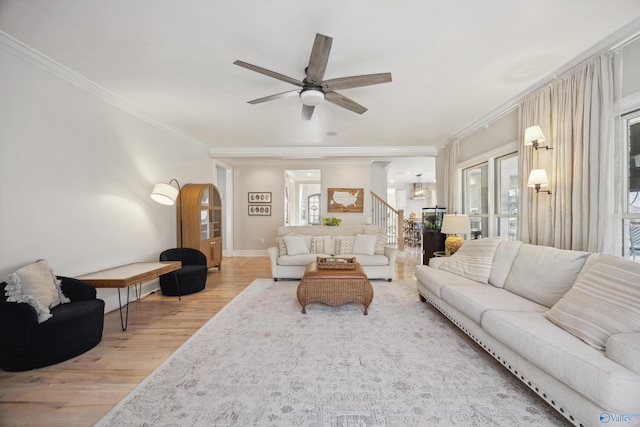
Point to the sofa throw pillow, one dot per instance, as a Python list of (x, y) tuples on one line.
[(344, 245), (381, 238), (282, 246), (295, 245), (604, 301), (473, 260), (36, 285), (506, 253), (307, 239), (364, 244), (323, 245)]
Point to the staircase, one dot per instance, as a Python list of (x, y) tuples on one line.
[(383, 215)]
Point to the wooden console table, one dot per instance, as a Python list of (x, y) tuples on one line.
[(126, 275)]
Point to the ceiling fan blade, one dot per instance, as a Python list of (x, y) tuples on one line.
[(319, 58), (274, 97), (269, 73), (356, 81), (344, 102), (307, 111)]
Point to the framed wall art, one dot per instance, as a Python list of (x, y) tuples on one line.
[(260, 197), (259, 210), (345, 199)]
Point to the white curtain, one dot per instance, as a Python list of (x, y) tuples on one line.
[(575, 113), (451, 177)]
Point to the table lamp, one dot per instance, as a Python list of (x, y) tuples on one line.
[(454, 225)]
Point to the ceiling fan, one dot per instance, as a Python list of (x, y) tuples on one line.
[(313, 90)]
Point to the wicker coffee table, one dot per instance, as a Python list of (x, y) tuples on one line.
[(335, 287)]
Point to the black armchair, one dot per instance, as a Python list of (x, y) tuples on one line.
[(191, 278), (73, 329)]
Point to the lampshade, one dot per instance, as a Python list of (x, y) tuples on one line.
[(538, 177), (533, 134), (455, 224), (165, 193), (312, 97)]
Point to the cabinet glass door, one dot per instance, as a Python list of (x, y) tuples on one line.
[(204, 198), (205, 232)]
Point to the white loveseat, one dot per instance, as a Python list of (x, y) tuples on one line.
[(367, 243), (566, 323)]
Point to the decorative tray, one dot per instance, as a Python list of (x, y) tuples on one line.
[(336, 263)]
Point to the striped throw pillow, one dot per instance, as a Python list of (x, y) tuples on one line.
[(473, 260), (604, 301)]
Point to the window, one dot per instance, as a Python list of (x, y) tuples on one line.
[(631, 218), (632, 127), (313, 202), (476, 199), (507, 196), (490, 196)]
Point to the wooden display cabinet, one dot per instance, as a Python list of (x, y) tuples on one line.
[(200, 215)]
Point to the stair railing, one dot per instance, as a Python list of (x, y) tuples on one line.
[(392, 220)]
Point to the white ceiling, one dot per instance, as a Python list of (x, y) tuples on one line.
[(452, 61)]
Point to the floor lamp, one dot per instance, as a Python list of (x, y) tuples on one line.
[(166, 194)]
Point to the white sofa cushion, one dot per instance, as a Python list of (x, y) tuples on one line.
[(506, 253), (565, 357), (434, 279), (473, 260), (299, 260), (368, 260), (544, 274), (474, 300), (625, 349), (604, 301)]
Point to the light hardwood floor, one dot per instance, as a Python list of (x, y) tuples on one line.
[(82, 390)]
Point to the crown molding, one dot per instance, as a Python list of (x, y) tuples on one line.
[(53, 67), (623, 36), (301, 153)]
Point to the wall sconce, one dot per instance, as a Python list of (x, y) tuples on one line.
[(537, 179), (165, 194), (533, 136), (454, 225)]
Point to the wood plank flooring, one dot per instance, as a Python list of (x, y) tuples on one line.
[(82, 390)]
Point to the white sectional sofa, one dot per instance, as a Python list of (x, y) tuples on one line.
[(566, 323), (297, 246)]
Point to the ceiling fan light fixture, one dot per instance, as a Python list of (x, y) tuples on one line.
[(312, 97)]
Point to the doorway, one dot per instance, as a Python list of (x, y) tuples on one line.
[(303, 200)]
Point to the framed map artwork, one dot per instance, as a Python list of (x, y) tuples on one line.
[(345, 199)]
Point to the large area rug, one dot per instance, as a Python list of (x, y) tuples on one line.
[(260, 362)]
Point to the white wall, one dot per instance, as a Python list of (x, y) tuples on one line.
[(379, 179), (254, 234), (631, 68), (75, 177)]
